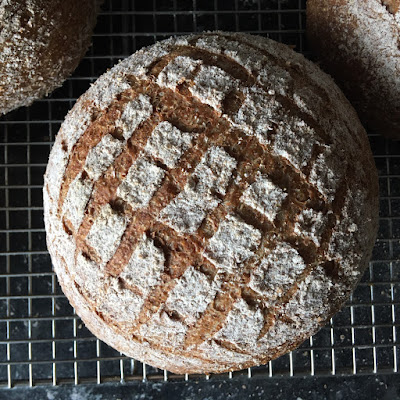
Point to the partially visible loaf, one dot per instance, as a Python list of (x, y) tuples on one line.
[(358, 43), (41, 44), (210, 202)]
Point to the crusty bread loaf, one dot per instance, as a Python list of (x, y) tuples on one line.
[(41, 43), (358, 43), (210, 202)]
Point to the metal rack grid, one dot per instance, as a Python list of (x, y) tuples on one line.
[(42, 341)]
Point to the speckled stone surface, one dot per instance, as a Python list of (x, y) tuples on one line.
[(368, 387)]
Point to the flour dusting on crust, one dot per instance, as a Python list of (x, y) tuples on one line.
[(191, 296), (277, 272), (243, 325), (77, 199), (177, 72), (311, 224), (234, 242), (145, 266), (187, 211), (135, 112), (143, 179), (121, 304), (106, 232), (102, 156), (168, 143), (211, 85), (264, 197), (234, 226)]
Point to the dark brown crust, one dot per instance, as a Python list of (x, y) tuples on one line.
[(183, 250), (143, 220), (393, 6), (234, 69), (92, 136)]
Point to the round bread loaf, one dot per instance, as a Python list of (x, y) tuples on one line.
[(358, 43), (210, 202), (41, 43)]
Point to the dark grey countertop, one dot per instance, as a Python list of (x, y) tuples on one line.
[(366, 387), (40, 337)]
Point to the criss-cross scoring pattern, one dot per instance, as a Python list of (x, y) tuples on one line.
[(198, 176)]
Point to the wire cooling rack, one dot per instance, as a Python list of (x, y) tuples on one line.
[(42, 341)]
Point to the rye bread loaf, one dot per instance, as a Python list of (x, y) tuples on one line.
[(358, 43), (210, 202), (41, 43)]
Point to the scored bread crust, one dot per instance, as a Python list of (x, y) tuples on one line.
[(210, 202), (358, 43), (41, 44)]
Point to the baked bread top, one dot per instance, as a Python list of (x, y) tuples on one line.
[(358, 43), (41, 43), (210, 202)]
